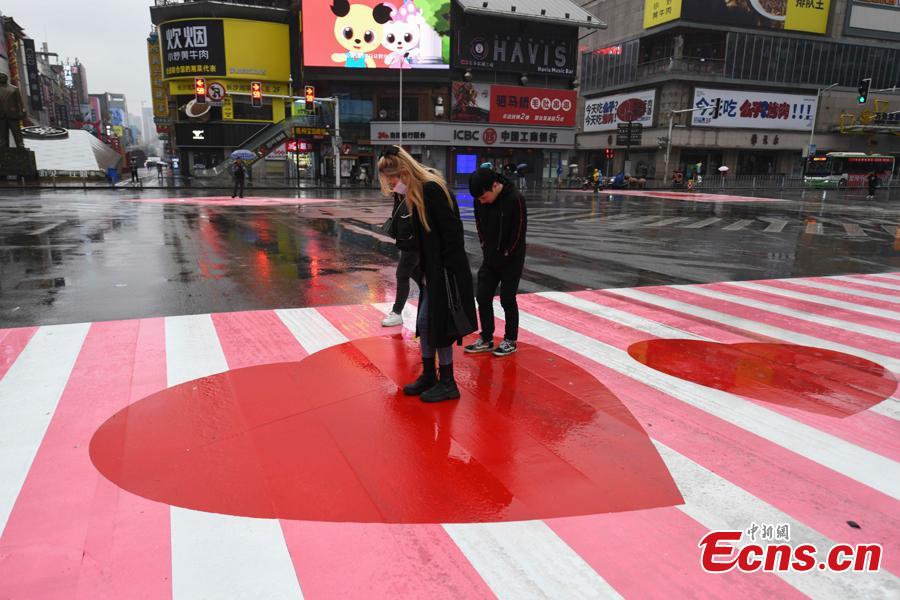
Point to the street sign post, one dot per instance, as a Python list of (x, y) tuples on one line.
[(215, 94)]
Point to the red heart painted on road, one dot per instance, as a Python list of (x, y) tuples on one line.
[(333, 438), (810, 379)]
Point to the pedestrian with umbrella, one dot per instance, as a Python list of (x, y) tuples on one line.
[(238, 171), (522, 169)]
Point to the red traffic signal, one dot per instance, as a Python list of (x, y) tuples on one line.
[(200, 90), (255, 93), (309, 93), (609, 153)]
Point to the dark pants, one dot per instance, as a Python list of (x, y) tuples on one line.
[(507, 276), (238, 184), (134, 174), (5, 126), (407, 268), (872, 187), (445, 354)]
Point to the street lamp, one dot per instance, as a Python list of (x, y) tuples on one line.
[(812, 131), (671, 125)]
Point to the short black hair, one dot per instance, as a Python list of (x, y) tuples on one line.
[(481, 181)]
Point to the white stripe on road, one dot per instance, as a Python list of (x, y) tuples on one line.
[(889, 407), (888, 362), (869, 468), (790, 312), (775, 225), (703, 223), (526, 559), (312, 330), (854, 230), (842, 289), (860, 308), (665, 222), (220, 556), (738, 225), (869, 282), (718, 504), (29, 394)]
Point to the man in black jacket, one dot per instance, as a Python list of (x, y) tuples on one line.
[(501, 219)]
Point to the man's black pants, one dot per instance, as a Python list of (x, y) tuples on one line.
[(507, 276), (238, 183), (407, 268)]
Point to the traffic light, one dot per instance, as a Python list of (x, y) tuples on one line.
[(200, 90), (609, 153), (863, 89), (255, 93), (717, 111), (310, 95)]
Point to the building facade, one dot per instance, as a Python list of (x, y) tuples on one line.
[(753, 77)]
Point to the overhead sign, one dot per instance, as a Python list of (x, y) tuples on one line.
[(752, 109), (371, 34), (793, 15), (607, 112), (495, 47), (486, 103)]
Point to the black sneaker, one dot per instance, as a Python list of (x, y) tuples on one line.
[(505, 348), (480, 346)]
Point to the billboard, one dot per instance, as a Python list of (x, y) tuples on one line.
[(232, 48), (515, 105), (371, 34), (793, 15), (874, 18), (751, 109), (516, 48), (605, 113)]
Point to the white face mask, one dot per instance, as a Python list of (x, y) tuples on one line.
[(400, 188)]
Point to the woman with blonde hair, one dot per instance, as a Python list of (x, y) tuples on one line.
[(446, 305)]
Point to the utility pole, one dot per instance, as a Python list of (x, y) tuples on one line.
[(812, 129), (671, 125)]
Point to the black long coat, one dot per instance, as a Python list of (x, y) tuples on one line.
[(443, 248)]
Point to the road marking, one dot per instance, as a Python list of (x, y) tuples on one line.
[(703, 223), (814, 228), (665, 222), (627, 223), (891, 229), (854, 230), (47, 228), (738, 225), (775, 225)]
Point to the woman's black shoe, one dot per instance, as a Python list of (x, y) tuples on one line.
[(425, 381), (442, 390)]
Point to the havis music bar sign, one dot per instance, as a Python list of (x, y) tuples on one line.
[(750, 109)]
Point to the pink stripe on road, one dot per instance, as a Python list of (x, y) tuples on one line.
[(625, 547), (384, 560), (807, 306), (12, 342), (813, 494), (72, 533), (804, 289), (861, 286), (255, 338), (825, 332)]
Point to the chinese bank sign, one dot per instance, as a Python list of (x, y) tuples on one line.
[(232, 48), (486, 103), (602, 114), (754, 109), (794, 15), (369, 34)]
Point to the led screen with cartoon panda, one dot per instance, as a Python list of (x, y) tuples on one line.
[(374, 34)]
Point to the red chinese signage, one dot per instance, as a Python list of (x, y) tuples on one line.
[(532, 106)]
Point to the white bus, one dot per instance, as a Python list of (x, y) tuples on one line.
[(847, 169)]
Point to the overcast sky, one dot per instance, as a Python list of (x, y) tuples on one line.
[(108, 36)]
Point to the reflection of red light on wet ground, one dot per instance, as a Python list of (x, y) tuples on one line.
[(811, 379), (333, 438), (228, 201)]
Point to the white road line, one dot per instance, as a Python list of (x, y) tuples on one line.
[(220, 556), (526, 559), (738, 225), (890, 407), (869, 282), (775, 225), (854, 230), (771, 331), (718, 504), (842, 289), (868, 310), (703, 223), (790, 312), (815, 228), (312, 330), (869, 468), (374, 234), (29, 394), (665, 222)]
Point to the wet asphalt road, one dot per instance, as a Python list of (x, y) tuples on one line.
[(73, 256)]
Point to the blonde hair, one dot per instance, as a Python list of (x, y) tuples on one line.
[(399, 162)]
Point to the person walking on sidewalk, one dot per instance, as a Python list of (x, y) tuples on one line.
[(872, 183), (133, 165), (238, 172), (501, 219), (404, 233), (445, 301)]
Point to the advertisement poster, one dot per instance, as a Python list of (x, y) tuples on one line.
[(34, 81), (195, 47), (603, 114), (514, 105), (874, 18), (491, 47), (375, 34), (793, 15), (754, 109)]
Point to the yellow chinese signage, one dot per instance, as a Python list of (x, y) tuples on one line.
[(794, 15), (157, 85), (657, 12), (228, 109)]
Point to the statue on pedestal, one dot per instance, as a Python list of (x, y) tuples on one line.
[(11, 112)]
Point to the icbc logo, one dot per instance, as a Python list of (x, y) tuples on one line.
[(489, 136)]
